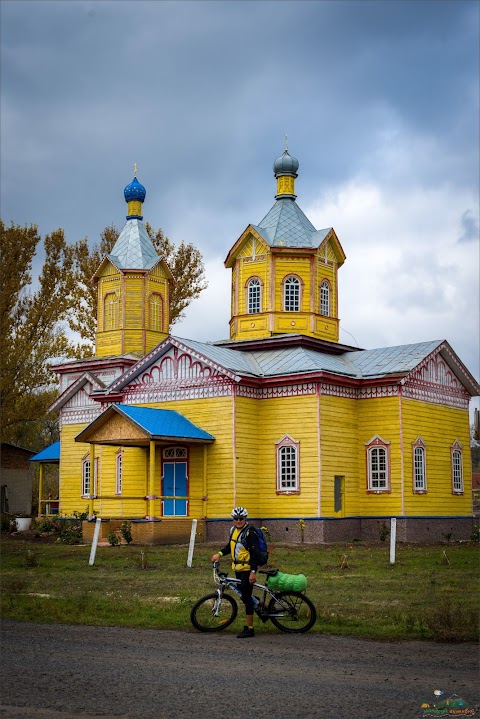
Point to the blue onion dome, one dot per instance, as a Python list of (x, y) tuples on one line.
[(285, 165), (134, 191)]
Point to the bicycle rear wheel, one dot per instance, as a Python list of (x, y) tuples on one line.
[(208, 615), (299, 615)]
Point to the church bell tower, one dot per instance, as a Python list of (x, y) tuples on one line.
[(133, 288)]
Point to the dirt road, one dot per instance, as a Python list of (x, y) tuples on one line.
[(62, 672)]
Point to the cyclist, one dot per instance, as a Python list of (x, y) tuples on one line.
[(243, 547)]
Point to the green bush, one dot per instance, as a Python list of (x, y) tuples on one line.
[(113, 539), (126, 531)]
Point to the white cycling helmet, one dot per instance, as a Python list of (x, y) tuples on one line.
[(239, 513)]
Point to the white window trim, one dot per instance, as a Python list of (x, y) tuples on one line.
[(288, 442), (377, 443), (110, 311), (118, 472), (254, 282), (419, 444), (299, 297), (85, 461), (155, 306), (456, 450), (325, 298)]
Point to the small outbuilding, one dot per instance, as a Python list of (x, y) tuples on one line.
[(16, 479)]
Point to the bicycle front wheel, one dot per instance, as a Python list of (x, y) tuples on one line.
[(295, 612), (211, 614)]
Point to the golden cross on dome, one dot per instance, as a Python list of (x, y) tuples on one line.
[(135, 168)]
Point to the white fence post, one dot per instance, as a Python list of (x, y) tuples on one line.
[(96, 533), (192, 542), (393, 539)]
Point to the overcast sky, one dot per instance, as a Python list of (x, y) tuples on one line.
[(380, 101)]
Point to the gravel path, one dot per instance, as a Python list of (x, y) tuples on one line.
[(66, 672)]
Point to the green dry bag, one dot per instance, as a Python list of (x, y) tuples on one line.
[(281, 582)]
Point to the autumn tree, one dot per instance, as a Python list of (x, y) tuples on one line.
[(32, 333), (185, 262)]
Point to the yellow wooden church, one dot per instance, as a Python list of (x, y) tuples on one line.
[(317, 439)]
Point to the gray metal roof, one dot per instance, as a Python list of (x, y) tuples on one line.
[(295, 360), (286, 225), (391, 360), (134, 249), (237, 362)]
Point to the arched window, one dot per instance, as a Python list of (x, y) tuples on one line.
[(325, 298), (119, 472), (288, 475), (457, 468), (378, 465), (419, 466), (292, 294), (254, 296), (156, 312), (110, 311), (87, 488)]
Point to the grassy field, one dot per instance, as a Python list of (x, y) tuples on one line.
[(431, 592)]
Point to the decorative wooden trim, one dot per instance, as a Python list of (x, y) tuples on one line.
[(289, 390), (437, 394), (143, 395), (80, 416)]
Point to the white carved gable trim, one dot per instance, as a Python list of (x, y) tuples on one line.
[(434, 381), (77, 395), (172, 364)]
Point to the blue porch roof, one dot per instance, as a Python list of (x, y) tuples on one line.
[(49, 454), (155, 424), (160, 423)]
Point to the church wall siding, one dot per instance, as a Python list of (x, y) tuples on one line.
[(70, 474), (339, 446), (247, 455), (291, 265), (295, 416), (381, 417), (439, 427), (215, 416), (130, 504)]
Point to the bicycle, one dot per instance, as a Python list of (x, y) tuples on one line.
[(291, 612)]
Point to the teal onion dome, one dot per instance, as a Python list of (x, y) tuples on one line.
[(285, 165), (134, 191)]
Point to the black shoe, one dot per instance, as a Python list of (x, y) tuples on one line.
[(246, 632)]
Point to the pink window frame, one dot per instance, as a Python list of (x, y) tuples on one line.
[(377, 443), (456, 447), (287, 441)]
